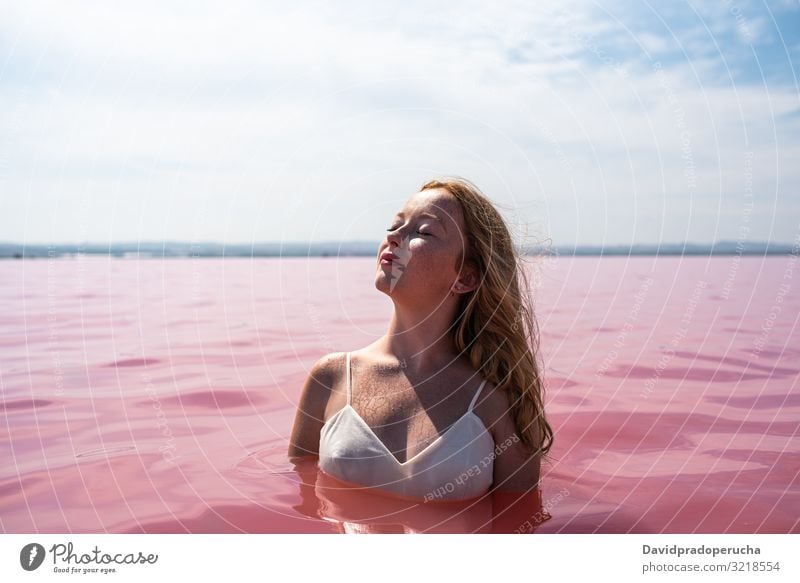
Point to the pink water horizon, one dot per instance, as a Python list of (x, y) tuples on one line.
[(157, 395)]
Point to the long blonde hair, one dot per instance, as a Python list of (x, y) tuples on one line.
[(496, 326)]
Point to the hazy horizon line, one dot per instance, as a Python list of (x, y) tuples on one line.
[(180, 248)]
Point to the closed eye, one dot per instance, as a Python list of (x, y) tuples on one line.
[(420, 232)]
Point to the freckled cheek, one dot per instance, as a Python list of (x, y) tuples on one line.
[(426, 257), (419, 252)]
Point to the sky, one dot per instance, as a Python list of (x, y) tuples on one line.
[(600, 123)]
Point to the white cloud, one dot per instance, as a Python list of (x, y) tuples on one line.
[(555, 108)]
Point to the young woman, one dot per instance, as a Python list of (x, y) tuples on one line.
[(447, 405)]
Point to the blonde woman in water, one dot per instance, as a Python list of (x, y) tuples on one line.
[(448, 404)]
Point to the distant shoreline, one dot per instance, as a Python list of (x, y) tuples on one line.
[(155, 250)]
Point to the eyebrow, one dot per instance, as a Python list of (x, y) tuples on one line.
[(401, 214)]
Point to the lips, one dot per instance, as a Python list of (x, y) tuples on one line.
[(388, 256)]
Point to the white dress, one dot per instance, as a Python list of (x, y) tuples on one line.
[(458, 465)]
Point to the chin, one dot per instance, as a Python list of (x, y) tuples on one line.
[(386, 284)]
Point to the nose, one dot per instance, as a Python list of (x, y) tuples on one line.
[(395, 237)]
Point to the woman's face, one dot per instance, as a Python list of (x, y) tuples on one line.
[(426, 236)]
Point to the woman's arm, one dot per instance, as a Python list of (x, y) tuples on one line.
[(310, 415), (515, 470), (516, 498)]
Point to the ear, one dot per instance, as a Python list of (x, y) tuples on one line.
[(466, 282)]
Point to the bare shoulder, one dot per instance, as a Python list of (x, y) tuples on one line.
[(492, 406), (328, 367), (316, 392), (323, 378), (515, 469)]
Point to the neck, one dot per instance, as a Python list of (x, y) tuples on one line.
[(421, 340)]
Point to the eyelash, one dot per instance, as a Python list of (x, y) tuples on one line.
[(420, 232)]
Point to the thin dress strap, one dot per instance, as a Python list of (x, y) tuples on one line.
[(348, 378), (475, 398)]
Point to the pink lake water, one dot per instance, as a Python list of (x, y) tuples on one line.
[(158, 396)]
